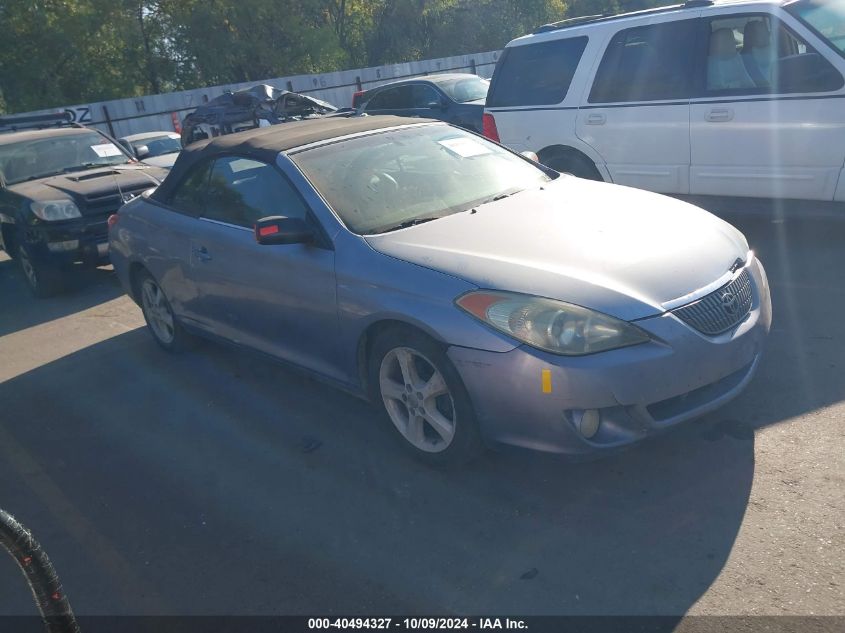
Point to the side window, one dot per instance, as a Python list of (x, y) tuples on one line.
[(536, 74), (422, 96), (398, 98), (647, 63), (242, 191), (190, 194), (756, 54)]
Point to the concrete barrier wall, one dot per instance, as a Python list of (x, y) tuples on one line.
[(157, 112)]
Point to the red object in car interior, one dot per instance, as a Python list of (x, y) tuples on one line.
[(489, 125), (112, 220)]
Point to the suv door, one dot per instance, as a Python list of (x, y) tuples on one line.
[(769, 118), (278, 299), (637, 115)]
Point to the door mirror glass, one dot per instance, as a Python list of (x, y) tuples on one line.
[(142, 151), (278, 229)]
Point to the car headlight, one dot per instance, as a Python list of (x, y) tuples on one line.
[(52, 210), (550, 325)]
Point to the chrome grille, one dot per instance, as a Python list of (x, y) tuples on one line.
[(720, 310)]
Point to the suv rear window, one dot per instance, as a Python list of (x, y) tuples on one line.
[(536, 74), (647, 63)]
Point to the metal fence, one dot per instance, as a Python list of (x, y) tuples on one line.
[(121, 117)]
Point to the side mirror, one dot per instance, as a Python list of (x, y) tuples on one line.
[(142, 151), (277, 229), (2, 180)]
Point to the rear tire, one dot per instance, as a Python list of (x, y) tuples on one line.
[(42, 279), (161, 321), (423, 397)]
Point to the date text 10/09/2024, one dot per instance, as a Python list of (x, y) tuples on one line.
[(416, 624)]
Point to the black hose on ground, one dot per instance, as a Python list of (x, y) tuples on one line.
[(39, 572)]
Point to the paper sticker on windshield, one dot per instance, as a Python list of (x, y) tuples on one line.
[(105, 150), (465, 147)]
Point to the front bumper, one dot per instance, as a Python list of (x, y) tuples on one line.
[(80, 241), (533, 399)]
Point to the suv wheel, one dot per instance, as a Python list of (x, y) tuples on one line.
[(573, 163), (42, 279), (424, 398)]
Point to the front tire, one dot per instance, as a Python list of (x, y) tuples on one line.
[(161, 321), (42, 279), (422, 395)]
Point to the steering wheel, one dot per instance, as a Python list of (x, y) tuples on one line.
[(381, 183)]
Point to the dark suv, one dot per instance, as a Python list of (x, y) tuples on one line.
[(59, 182)]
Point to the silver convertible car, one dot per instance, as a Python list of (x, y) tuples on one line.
[(475, 296)]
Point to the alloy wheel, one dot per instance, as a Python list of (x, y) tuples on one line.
[(417, 399), (158, 312)]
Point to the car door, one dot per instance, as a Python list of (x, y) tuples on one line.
[(637, 114), (427, 102), (395, 100), (769, 118), (278, 299)]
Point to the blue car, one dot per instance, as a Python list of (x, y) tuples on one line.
[(456, 98), (476, 297)]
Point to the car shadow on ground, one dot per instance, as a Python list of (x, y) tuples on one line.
[(84, 288), (213, 482)]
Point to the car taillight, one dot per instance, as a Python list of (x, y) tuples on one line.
[(490, 130), (112, 220)]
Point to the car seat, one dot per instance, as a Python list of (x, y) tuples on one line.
[(758, 54), (725, 70)]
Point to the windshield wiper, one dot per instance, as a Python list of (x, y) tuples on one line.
[(405, 224)]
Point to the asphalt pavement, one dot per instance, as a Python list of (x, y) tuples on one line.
[(214, 482)]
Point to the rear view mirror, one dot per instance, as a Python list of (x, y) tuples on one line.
[(277, 229)]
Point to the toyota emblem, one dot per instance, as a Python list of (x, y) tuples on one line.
[(730, 303)]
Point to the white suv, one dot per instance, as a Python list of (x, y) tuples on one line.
[(726, 98)]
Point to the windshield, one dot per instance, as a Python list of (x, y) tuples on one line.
[(159, 145), (37, 158), (387, 180), (825, 17), (464, 90)]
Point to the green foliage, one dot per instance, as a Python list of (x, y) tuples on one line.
[(57, 52)]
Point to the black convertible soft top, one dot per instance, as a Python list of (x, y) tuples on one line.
[(266, 143)]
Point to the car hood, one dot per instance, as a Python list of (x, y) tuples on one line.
[(622, 251), (94, 189)]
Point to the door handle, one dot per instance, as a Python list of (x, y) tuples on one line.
[(716, 115), (596, 119), (202, 254)]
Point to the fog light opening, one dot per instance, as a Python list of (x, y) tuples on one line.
[(588, 422)]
